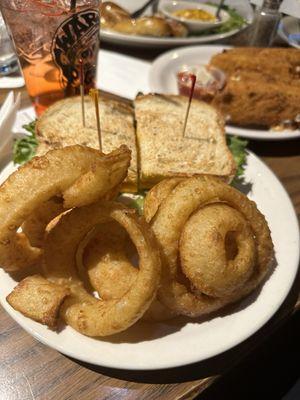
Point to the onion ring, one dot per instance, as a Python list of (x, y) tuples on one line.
[(65, 172), (35, 225), (157, 195), (82, 311), (105, 261), (170, 221), (212, 271)]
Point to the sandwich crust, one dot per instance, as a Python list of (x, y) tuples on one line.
[(61, 125)]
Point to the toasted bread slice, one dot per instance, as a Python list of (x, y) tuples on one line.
[(164, 152), (61, 125)]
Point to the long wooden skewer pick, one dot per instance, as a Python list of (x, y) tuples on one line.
[(73, 5), (95, 96), (193, 79), (81, 77)]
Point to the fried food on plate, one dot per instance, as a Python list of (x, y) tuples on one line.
[(37, 298), (82, 311), (61, 125), (164, 152), (79, 174), (115, 18), (263, 86), (35, 225), (216, 245), (228, 264), (108, 258), (157, 195), (282, 64), (264, 101), (145, 26), (111, 13), (107, 261)]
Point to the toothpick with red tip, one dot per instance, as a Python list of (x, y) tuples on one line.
[(81, 78), (95, 96), (193, 79)]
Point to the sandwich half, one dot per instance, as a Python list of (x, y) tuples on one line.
[(165, 152), (61, 125)]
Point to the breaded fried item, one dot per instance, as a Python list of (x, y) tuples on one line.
[(37, 298), (263, 85), (254, 99), (280, 63)]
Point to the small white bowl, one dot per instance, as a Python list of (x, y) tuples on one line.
[(169, 7), (289, 31)]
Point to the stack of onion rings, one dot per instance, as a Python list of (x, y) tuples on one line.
[(79, 174), (216, 246), (212, 243), (82, 311)]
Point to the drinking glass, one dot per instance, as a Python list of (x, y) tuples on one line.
[(8, 59), (52, 38)]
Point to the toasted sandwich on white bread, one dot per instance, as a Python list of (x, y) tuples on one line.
[(165, 152), (61, 125)]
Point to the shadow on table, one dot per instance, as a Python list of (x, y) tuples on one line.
[(214, 366), (280, 148)]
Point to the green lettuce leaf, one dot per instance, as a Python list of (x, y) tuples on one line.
[(236, 21), (25, 148), (237, 147)]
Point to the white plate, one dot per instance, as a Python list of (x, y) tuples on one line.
[(162, 79), (153, 42), (243, 8), (166, 345)]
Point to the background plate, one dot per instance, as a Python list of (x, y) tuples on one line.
[(155, 346), (243, 8), (162, 79)]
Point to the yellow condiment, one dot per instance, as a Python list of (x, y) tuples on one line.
[(196, 14)]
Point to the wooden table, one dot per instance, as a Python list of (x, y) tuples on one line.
[(30, 370)]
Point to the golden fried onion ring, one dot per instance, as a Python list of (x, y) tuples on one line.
[(172, 219), (80, 174), (203, 255), (105, 262), (35, 225), (81, 310), (157, 195)]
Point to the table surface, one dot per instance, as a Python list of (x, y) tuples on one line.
[(30, 370)]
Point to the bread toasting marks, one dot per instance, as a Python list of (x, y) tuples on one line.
[(158, 147), (164, 152)]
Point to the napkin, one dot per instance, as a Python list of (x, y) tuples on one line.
[(8, 113), (122, 75), (10, 82)]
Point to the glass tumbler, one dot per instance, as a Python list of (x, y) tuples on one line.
[(52, 39)]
